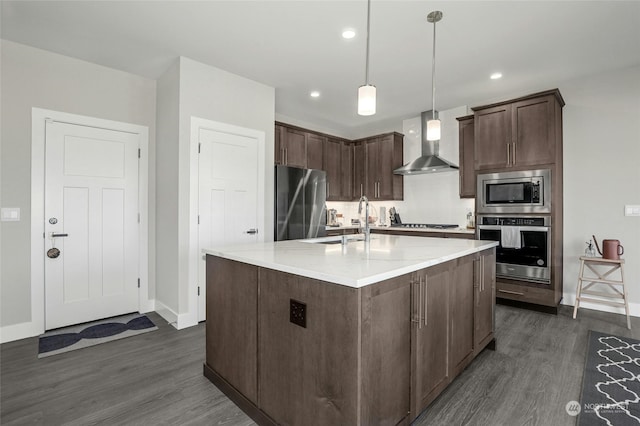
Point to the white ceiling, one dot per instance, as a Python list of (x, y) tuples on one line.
[(296, 46)]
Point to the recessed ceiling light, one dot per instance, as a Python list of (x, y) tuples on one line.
[(314, 94), (496, 75), (348, 34)]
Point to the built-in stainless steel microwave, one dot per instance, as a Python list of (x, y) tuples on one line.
[(526, 191)]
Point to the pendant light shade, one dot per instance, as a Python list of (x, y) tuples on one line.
[(433, 130), (367, 100), (367, 92), (433, 125)]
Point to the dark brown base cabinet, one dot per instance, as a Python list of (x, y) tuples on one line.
[(375, 355), (399, 231)]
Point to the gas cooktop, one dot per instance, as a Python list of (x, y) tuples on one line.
[(424, 225)]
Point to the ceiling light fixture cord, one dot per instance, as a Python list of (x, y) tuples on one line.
[(433, 125), (433, 73), (366, 73), (367, 92)]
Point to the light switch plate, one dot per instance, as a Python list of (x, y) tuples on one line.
[(10, 214), (632, 210)]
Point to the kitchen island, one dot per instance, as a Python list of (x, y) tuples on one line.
[(316, 333)]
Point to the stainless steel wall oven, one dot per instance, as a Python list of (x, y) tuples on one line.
[(524, 252)]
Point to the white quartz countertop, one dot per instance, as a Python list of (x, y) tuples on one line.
[(354, 264)]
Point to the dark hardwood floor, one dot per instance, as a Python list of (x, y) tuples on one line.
[(156, 378)]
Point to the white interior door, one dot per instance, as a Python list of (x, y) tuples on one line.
[(228, 195), (91, 199)]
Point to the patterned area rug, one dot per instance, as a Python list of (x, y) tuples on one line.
[(611, 383), (90, 334)]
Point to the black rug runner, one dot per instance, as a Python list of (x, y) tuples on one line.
[(90, 334), (611, 383)]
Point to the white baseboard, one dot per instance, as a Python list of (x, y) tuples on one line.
[(9, 333), (570, 300), (185, 320), (167, 313), (179, 321), (148, 305)]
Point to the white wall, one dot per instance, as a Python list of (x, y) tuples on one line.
[(168, 111), (602, 171), (210, 93), (36, 78), (434, 198)]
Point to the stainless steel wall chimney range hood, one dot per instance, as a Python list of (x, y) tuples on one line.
[(430, 160)]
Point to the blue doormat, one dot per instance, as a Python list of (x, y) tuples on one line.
[(90, 334)]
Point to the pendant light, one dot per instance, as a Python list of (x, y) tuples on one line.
[(433, 125), (367, 92)]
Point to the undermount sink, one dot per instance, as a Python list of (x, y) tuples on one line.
[(337, 239)]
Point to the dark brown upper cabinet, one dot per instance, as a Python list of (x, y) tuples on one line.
[(296, 147), (466, 145), (354, 168), (338, 163), (359, 170), (382, 155), (520, 133), (492, 129), (315, 150)]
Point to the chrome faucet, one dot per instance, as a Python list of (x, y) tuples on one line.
[(366, 216)]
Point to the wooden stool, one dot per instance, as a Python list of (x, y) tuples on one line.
[(602, 278)]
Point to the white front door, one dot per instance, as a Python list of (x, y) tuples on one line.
[(91, 217), (228, 195)]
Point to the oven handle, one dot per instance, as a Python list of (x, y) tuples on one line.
[(522, 228)]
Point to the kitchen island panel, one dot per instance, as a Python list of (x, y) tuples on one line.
[(461, 298), (233, 331), (386, 349), (308, 375), (372, 355)]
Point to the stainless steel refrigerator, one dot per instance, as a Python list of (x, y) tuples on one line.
[(300, 197)]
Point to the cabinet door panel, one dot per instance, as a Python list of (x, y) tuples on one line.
[(492, 137), (346, 171), (333, 167), (372, 148), (295, 148), (533, 129), (278, 154), (430, 351), (232, 334), (485, 296), (461, 324), (386, 167), (359, 167), (467, 167), (315, 147)]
